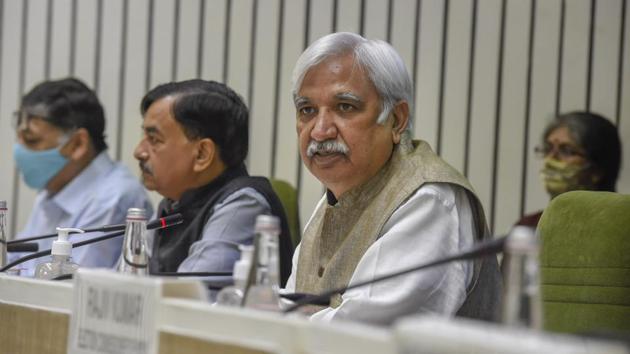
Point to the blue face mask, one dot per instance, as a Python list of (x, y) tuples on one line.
[(38, 167)]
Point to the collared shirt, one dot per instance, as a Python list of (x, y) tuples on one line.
[(99, 195), (230, 225), (436, 221)]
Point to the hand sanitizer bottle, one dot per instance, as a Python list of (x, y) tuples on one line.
[(233, 295), (61, 263), (263, 294)]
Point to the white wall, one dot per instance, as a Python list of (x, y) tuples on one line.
[(489, 74)]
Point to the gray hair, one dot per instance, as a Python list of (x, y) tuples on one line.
[(383, 65)]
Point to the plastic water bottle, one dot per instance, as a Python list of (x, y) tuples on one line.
[(263, 292), (521, 301), (3, 233), (234, 295), (134, 257), (61, 263)]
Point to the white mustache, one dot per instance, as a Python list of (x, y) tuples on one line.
[(326, 147), (144, 167)]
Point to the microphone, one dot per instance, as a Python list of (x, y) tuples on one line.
[(47, 252), (106, 228), (167, 220), (165, 274), (297, 297), (23, 247), (192, 274), (160, 223), (483, 249)]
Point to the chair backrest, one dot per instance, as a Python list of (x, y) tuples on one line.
[(288, 197), (585, 262)]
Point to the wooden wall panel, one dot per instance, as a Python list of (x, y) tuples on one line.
[(403, 35), (605, 58), (187, 54), (429, 69), (484, 99), (133, 82), (543, 76), (488, 75), (286, 161), (11, 44), (512, 100), (32, 71), (623, 101), (110, 70), (575, 55), (262, 106), (455, 90), (83, 20), (376, 18), (348, 16), (240, 36), (58, 64)]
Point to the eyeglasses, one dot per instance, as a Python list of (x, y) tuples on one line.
[(24, 115), (563, 151), (17, 119)]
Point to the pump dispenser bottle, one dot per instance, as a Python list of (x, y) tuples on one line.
[(233, 295), (61, 263), (134, 257)]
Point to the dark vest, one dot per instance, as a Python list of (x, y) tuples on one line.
[(171, 245)]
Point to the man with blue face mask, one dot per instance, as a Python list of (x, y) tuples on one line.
[(61, 152)]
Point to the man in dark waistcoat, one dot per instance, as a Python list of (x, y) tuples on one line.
[(192, 153), (391, 202)]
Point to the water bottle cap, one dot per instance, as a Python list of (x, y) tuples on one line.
[(522, 239), (266, 222), (3, 205), (136, 214)]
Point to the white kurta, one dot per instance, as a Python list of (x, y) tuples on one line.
[(436, 221)]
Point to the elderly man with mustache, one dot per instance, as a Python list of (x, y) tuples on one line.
[(192, 153), (390, 203)]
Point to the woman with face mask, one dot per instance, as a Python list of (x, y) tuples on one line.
[(581, 151)]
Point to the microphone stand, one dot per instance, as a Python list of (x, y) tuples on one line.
[(41, 237), (481, 250), (157, 223), (160, 223), (165, 274), (48, 251)]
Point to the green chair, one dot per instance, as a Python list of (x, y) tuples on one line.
[(585, 262), (288, 197)]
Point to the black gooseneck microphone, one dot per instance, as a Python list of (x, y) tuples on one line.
[(482, 249), (47, 252), (23, 247), (167, 274), (107, 228), (160, 223)]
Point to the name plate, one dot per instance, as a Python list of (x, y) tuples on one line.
[(113, 313)]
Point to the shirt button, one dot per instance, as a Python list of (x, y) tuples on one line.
[(320, 272)]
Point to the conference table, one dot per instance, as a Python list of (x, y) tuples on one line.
[(174, 316)]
